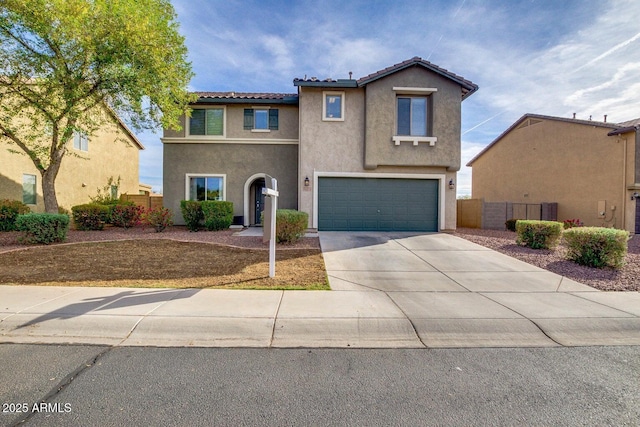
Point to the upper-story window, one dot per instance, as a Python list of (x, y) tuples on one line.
[(412, 116), (261, 119), (333, 106), (207, 121), (80, 141)]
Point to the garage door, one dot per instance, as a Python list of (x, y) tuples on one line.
[(377, 204)]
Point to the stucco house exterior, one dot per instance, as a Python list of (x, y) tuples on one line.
[(377, 153), (590, 168), (113, 151)]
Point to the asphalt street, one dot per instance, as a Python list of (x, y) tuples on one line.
[(115, 386)]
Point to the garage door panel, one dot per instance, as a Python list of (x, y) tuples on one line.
[(377, 204)]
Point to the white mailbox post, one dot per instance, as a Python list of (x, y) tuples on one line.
[(269, 226)]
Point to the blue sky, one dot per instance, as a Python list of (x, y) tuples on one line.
[(530, 56)]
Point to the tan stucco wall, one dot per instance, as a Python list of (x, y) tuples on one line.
[(575, 165), (444, 115), (108, 156), (234, 123), (238, 161), (339, 146)]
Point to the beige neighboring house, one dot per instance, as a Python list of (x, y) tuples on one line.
[(87, 167), (591, 169), (379, 153)]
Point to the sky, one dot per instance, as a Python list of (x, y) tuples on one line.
[(527, 56)]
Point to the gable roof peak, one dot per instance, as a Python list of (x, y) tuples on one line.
[(468, 87)]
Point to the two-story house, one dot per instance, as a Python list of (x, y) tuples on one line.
[(379, 153), (111, 152)]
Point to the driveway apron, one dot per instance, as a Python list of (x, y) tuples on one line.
[(459, 294)]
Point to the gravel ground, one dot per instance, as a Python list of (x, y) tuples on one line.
[(626, 278), (9, 240)]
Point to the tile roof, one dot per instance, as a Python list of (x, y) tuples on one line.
[(614, 126), (629, 123), (468, 87), (244, 95)]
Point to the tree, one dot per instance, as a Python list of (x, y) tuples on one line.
[(70, 66)]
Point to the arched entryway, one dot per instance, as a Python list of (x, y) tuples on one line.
[(253, 199)]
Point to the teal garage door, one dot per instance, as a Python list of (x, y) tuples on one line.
[(377, 204)]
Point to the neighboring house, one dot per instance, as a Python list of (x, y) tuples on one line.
[(91, 161), (378, 153), (591, 169)]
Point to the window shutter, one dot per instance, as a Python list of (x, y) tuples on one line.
[(248, 118), (273, 119), (196, 122), (215, 121)]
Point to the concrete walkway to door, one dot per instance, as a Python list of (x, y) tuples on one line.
[(450, 292)]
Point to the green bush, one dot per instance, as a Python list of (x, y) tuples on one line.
[(192, 214), (159, 218), (539, 234), (9, 211), (126, 215), (91, 216), (596, 246), (218, 215), (43, 228), (511, 224), (290, 225)]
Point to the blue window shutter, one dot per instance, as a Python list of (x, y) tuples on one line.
[(273, 119), (248, 118)]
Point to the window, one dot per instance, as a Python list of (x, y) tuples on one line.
[(333, 106), (80, 141), (261, 119), (207, 121), (205, 187), (412, 116), (29, 189)]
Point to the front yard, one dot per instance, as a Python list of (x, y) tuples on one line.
[(626, 278), (175, 258)]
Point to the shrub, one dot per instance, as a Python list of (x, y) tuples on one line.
[(511, 224), (159, 218), (218, 215), (108, 195), (539, 234), (43, 228), (126, 216), (570, 223), (596, 246), (290, 225), (192, 214), (91, 216), (9, 211)]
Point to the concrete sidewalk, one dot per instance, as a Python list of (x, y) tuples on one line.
[(389, 290)]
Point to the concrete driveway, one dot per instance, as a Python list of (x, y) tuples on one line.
[(454, 293), (390, 290)]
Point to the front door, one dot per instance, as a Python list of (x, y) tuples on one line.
[(259, 199)]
